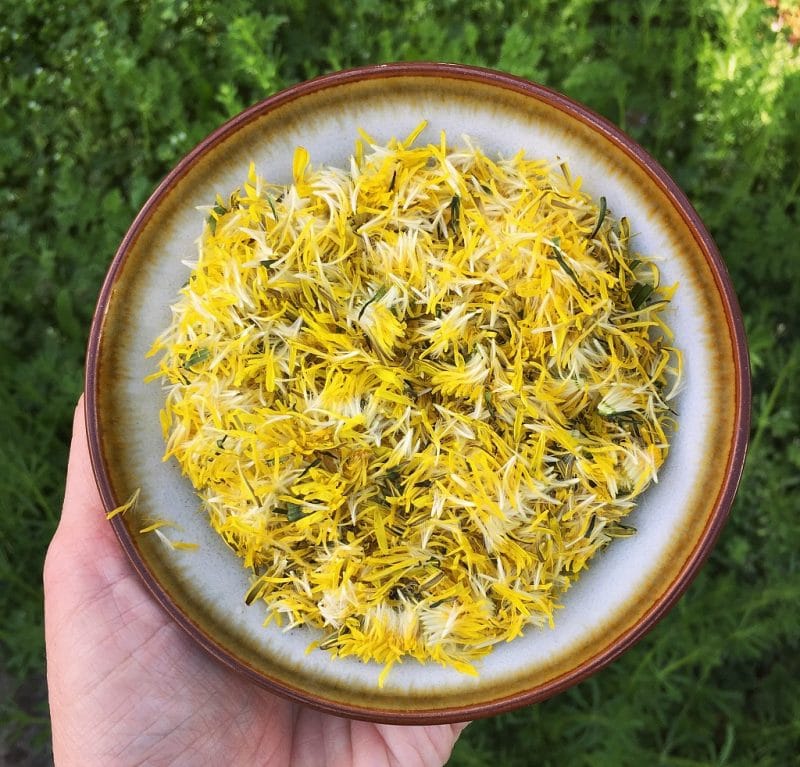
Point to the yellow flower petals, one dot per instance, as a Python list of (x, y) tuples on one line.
[(417, 395)]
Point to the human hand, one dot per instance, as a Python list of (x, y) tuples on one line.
[(128, 687)]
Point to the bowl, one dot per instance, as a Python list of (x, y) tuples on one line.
[(626, 589)]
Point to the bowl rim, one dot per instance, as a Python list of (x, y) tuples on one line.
[(720, 508)]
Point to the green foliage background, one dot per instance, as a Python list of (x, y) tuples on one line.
[(98, 100)]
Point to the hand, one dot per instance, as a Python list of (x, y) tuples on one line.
[(128, 687)]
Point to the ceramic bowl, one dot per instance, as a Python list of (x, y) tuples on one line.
[(626, 589)]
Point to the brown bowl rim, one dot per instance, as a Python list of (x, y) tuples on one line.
[(733, 471)]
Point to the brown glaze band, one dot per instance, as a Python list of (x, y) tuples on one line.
[(741, 416)]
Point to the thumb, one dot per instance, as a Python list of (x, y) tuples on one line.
[(83, 508), (84, 546)]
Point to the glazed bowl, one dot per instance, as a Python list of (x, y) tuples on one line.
[(626, 589)]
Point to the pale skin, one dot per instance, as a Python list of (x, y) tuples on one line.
[(128, 687)]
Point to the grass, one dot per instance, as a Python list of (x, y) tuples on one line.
[(99, 100)]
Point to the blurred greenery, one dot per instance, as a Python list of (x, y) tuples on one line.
[(98, 100)]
